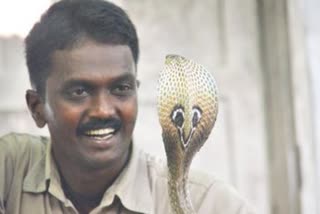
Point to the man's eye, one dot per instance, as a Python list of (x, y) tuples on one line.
[(78, 92), (123, 89)]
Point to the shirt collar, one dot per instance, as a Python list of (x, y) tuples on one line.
[(132, 181), (132, 185)]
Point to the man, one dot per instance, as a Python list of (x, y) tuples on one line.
[(82, 59)]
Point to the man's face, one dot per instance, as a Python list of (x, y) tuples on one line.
[(91, 103)]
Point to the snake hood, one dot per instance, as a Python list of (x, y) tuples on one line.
[(187, 108)]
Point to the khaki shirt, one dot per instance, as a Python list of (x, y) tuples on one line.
[(30, 183)]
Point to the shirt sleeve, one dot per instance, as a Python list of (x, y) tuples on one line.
[(223, 199), (7, 164)]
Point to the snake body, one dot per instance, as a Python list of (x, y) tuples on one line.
[(187, 110)]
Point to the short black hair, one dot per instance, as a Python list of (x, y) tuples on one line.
[(67, 22)]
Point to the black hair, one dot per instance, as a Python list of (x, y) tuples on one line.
[(67, 22)]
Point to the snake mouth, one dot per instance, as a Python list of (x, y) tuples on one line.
[(185, 139)]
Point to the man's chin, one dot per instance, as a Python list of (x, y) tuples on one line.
[(99, 161), (104, 152)]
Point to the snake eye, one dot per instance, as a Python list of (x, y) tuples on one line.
[(197, 113), (177, 116)]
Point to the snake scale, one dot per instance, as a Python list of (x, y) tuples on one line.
[(187, 110)]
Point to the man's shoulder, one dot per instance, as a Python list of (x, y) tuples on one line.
[(23, 139), (208, 191), (18, 154), (198, 178), (16, 145)]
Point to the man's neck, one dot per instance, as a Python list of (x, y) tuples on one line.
[(85, 188), (83, 203)]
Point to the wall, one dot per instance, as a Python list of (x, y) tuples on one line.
[(312, 27)]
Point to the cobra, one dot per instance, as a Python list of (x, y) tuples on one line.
[(187, 110)]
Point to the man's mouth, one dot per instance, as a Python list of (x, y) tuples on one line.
[(100, 134), (99, 130)]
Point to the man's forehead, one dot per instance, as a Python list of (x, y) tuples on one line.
[(86, 80), (89, 50), (93, 57)]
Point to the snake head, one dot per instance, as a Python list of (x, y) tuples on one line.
[(187, 106)]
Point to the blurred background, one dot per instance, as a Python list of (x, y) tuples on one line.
[(265, 56)]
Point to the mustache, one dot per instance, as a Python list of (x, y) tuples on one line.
[(99, 124)]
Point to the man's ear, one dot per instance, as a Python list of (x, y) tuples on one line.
[(36, 107)]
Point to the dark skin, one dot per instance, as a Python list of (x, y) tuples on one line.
[(90, 82)]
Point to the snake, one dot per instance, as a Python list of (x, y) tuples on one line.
[(187, 105)]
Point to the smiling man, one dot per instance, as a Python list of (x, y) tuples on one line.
[(90, 109), (82, 59)]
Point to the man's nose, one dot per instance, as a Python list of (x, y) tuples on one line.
[(102, 106)]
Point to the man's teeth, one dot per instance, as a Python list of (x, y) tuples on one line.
[(99, 132)]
